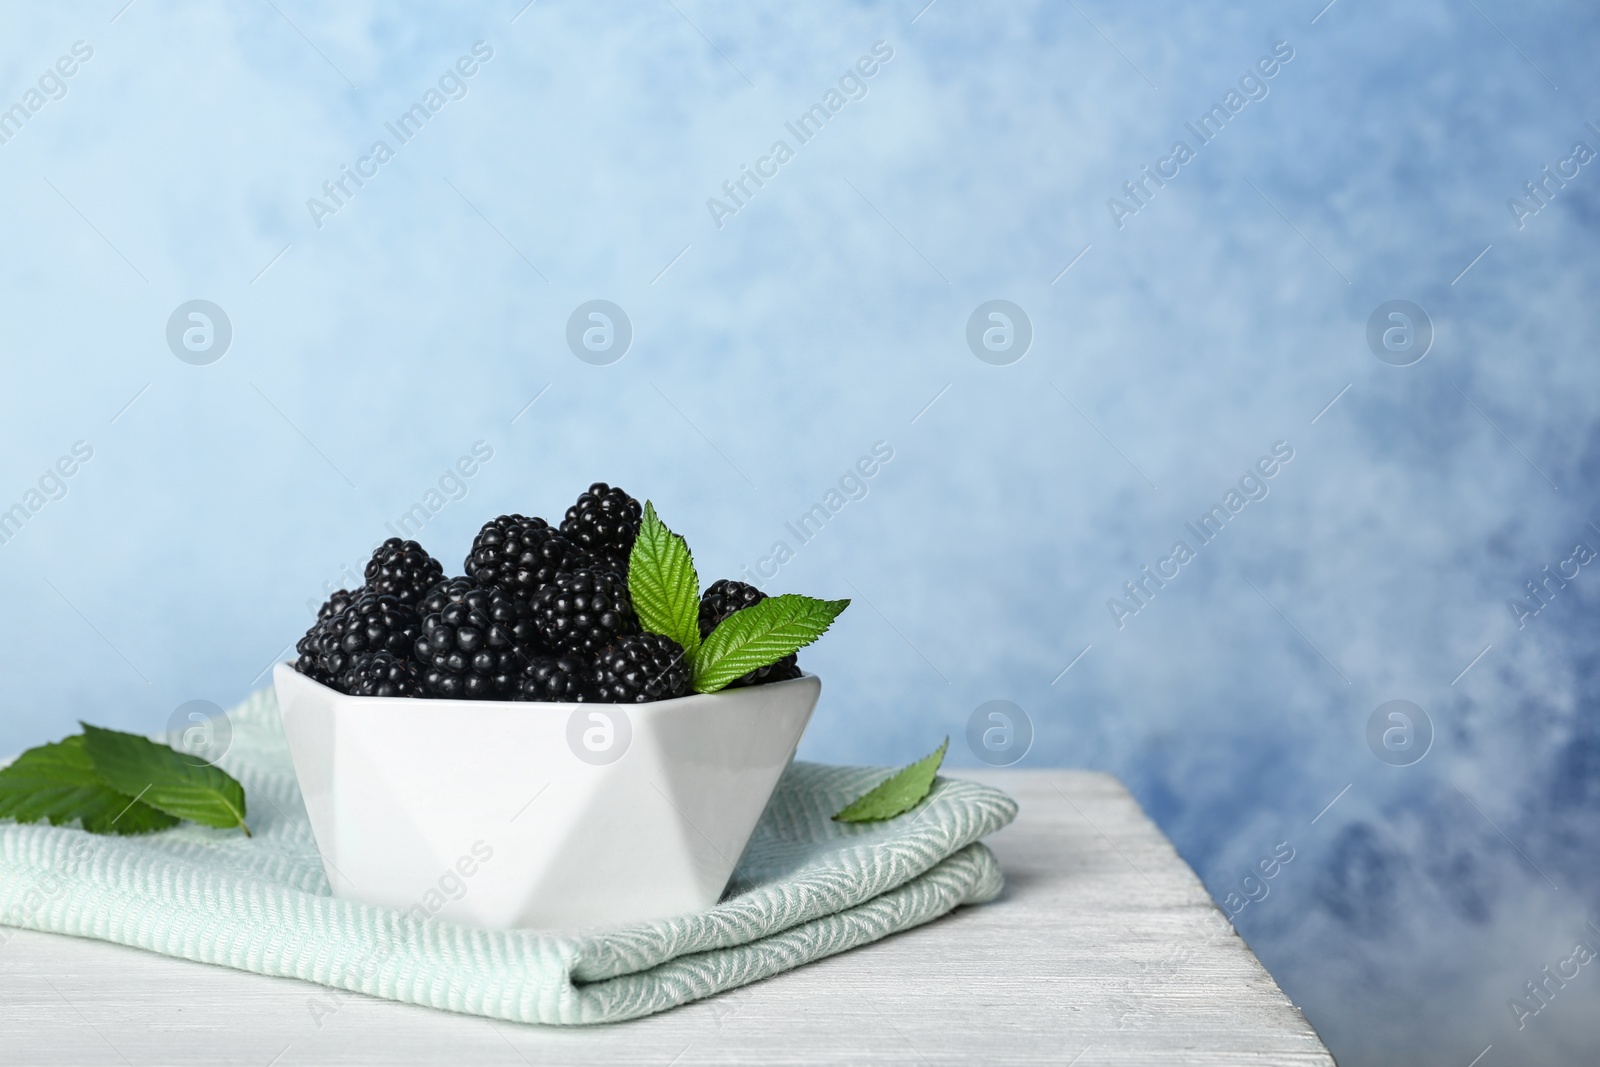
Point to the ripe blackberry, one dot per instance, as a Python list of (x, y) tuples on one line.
[(402, 569), (560, 678), (640, 668), (338, 602), (604, 522), (784, 669), (382, 674), (309, 646), (474, 641), (371, 622), (521, 555), (584, 611), (724, 597)]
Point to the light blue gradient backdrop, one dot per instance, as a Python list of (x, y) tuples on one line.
[(824, 317)]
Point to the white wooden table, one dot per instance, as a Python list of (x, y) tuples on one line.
[(1105, 949)]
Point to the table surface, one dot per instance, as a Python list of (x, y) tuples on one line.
[(1104, 949)]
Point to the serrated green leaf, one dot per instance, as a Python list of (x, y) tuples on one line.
[(897, 794), (763, 633), (58, 782), (163, 779), (663, 585)]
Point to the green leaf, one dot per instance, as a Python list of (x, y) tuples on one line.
[(763, 633), (897, 794), (58, 782), (164, 779), (663, 585)]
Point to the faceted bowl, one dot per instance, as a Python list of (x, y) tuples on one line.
[(507, 815)]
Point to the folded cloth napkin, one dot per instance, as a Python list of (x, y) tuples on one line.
[(807, 887)]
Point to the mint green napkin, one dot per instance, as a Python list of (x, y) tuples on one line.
[(807, 887)]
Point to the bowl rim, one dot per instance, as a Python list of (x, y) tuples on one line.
[(410, 702)]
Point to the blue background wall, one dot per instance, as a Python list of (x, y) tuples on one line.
[(372, 351)]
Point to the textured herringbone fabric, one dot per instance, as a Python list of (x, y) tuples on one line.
[(807, 887)]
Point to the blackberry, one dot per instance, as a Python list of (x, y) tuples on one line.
[(474, 641), (640, 668), (604, 522), (382, 674), (784, 669), (336, 603), (584, 611), (403, 569), (560, 678), (371, 622), (521, 555), (309, 646), (724, 597)]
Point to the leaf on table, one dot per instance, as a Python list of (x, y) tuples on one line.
[(761, 634), (161, 778), (58, 782), (663, 585), (897, 794)]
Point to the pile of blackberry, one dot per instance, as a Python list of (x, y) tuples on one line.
[(542, 613)]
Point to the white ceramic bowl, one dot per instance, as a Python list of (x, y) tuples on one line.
[(505, 815)]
